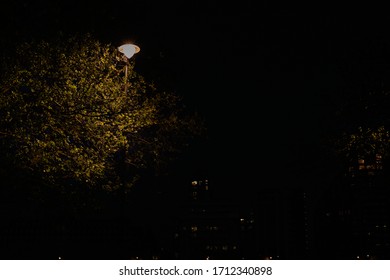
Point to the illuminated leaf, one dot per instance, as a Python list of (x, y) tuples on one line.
[(65, 115)]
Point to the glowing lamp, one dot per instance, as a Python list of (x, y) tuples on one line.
[(129, 49)]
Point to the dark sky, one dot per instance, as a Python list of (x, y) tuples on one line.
[(266, 77)]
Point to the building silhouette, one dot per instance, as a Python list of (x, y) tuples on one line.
[(208, 228), (274, 226), (354, 219), (283, 223)]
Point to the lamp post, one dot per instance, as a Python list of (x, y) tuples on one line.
[(128, 51)]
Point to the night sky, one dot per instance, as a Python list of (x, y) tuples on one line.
[(267, 78)]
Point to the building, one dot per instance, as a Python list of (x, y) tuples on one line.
[(282, 226), (211, 229), (354, 220)]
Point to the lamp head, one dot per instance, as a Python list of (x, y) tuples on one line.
[(129, 50)]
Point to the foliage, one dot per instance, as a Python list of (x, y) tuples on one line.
[(363, 122), (365, 143), (65, 116)]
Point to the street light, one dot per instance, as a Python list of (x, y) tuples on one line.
[(128, 51)]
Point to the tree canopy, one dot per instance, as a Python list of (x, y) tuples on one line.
[(65, 115), (364, 133), (364, 143)]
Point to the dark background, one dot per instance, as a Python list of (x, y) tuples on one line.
[(269, 79)]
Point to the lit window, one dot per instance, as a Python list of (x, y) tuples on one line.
[(194, 228), (378, 161), (361, 164), (194, 183)]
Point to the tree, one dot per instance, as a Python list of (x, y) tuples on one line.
[(364, 144), (364, 131), (64, 115)]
